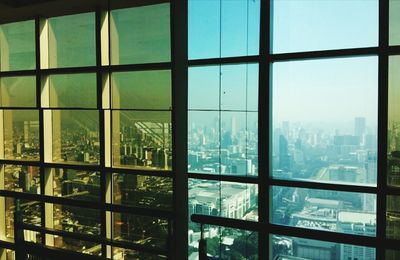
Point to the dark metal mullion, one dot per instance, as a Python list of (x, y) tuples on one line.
[(382, 127), (325, 186), (264, 117), (228, 178), (179, 35), (323, 235), (16, 73), (225, 60), (367, 51)]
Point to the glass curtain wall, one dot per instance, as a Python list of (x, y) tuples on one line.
[(86, 121)]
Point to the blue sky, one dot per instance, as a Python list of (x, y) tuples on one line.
[(338, 89)]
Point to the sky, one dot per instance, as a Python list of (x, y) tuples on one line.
[(330, 90)]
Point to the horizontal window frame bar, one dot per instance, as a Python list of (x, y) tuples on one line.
[(93, 238), (49, 251), (253, 59), (89, 167), (320, 185), (220, 110), (16, 73), (271, 229), (228, 178), (114, 208), (338, 53)]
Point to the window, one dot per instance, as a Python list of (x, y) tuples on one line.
[(275, 121)]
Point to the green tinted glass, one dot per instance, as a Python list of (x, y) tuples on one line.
[(73, 90), (18, 91), (141, 35), (17, 46), (72, 41), (141, 90)]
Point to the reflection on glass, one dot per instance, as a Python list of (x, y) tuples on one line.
[(76, 220), (146, 231), (343, 212), (393, 217), (225, 243), (394, 22), (75, 245), (141, 34), (142, 139), (129, 254), (18, 91), (21, 134), (31, 214), (17, 46), (10, 254), (73, 90), (224, 199), (77, 51), (393, 142), (223, 28), (392, 255), (325, 120), (142, 191), (323, 25), (288, 248), (75, 136), (22, 178), (141, 90), (76, 184)]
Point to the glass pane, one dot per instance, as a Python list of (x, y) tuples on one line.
[(224, 199), (22, 178), (21, 134), (142, 191), (239, 87), (223, 28), (18, 91), (323, 25), (77, 51), (239, 143), (325, 120), (225, 243), (142, 89), (292, 248), (142, 140), (76, 220), (204, 89), (73, 90), (343, 212), (76, 136), (392, 255), (394, 22), (147, 231), (393, 159), (17, 46), (203, 142), (129, 254), (393, 217), (75, 245), (31, 214), (76, 184), (141, 35)]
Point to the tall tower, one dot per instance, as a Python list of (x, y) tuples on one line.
[(360, 128)]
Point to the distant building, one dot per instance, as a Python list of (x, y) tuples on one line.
[(358, 223)]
